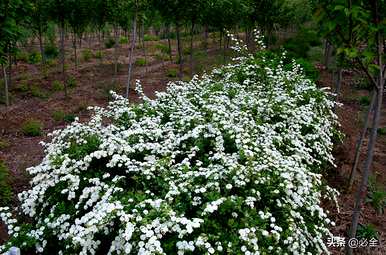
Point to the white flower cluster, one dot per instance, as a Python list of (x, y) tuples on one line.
[(228, 163)]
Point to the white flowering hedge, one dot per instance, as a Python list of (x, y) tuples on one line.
[(228, 163)]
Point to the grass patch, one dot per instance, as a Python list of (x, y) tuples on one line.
[(71, 82), (32, 128), (38, 92), (58, 115), (148, 38), (123, 40), (172, 73), (382, 131), (57, 86), (87, 55), (3, 144), (140, 62), (5, 187), (364, 100)]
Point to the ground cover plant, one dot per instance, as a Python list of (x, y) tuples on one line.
[(227, 163)]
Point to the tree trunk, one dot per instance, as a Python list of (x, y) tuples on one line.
[(115, 54), (191, 50), (75, 51), (169, 44), (144, 44), (362, 191), (41, 46), (338, 84), (206, 35), (327, 54), (360, 141), (62, 57), (179, 48), (6, 95), (132, 48)]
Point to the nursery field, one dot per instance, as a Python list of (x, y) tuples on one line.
[(173, 127)]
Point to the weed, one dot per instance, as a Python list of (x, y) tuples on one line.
[(367, 232), (382, 131), (123, 40), (57, 86), (3, 144), (34, 57), (364, 100), (172, 72), (5, 187), (69, 118), (37, 92), (148, 38), (32, 128), (140, 62), (109, 43), (87, 55), (71, 82), (58, 115)]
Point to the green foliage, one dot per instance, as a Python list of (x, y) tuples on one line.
[(382, 131), (58, 115), (148, 38), (172, 72), (69, 118), (367, 232), (22, 56), (363, 83), (376, 196), (302, 43), (34, 57), (71, 82), (57, 86), (123, 40), (22, 86), (163, 48), (140, 62), (109, 43), (5, 187), (87, 55), (3, 144), (364, 100), (36, 91), (51, 51), (99, 54), (309, 69), (32, 127)]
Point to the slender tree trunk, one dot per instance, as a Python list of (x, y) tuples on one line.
[(360, 141), (362, 191), (144, 44), (115, 54), (6, 95), (338, 84), (75, 51), (169, 44), (220, 39), (206, 35), (327, 54), (191, 50), (132, 48), (41, 46), (179, 48), (62, 57)]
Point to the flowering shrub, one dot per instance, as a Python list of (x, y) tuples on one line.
[(228, 163)]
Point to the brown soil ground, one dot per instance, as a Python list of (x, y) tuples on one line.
[(94, 79)]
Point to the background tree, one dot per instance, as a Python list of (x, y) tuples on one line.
[(12, 14), (357, 30)]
